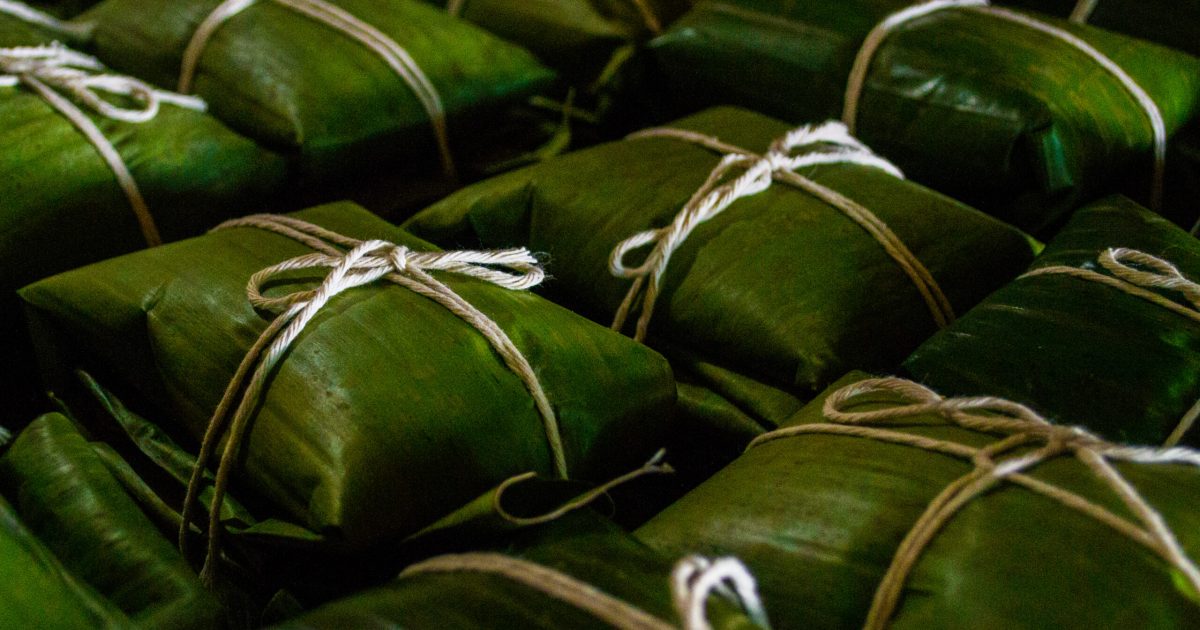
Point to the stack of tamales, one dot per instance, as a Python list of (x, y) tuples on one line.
[(642, 314)]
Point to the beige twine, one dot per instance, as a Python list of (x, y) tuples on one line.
[(835, 146), (1158, 274), (365, 262), (338, 19), (1083, 11), (655, 466), (48, 70), (1022, 430), (875, 39), (693, 581), (26, 13)]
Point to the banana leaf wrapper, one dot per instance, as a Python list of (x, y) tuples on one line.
[(576, 37), (1172, 23), (1006, 119), (38, 591), (817, 519), (582, 545), (269, 548), (1081, 352), (387, 412), (299, 87), (767, 302), (61, 206), (62, 8), (67, 495)]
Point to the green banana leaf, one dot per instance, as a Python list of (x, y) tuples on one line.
[(767, 302), (38, 591), (1081, 352), (581, 545), (66, 494), (817, 518), (355, 127), (1011, 121), (1174, 23), (388, 411), (62, 8), (575, 37), (61, 206)]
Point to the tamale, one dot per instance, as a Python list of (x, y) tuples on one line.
[(338, 101), (388, 411), (1007, 118), (61, 203), (763, 304), (880, 518), (1079, 350)]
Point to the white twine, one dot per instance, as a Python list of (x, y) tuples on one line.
[(26, 13), (5, 436), (365, 262), (649, 19), (832, 144), (1151, 272), (340, 20), (48, 70), (875, 39), (1021, 429), (1083, 11), (695, 579)]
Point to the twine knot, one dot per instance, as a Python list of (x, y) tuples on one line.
[(696, 578), (1148, 271), (83, 78), (832, 144), (351, 263), (1027, 437)]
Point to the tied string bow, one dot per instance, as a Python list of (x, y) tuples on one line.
[(49, 70), (1139, 274), (1026, 440), (362, 263), (830, 142)]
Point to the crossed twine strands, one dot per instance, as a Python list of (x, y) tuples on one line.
[(58, 74), (831, 143), (342, 21), (694, 580), (1027, 440), (875, 39), (352, 263)]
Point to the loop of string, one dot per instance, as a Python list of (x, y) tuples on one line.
[(693, 581), (338, 19), (1135, 273), (1026, 440), (656, 466), (831, 143), (49, 70), (365, 262), (26, 13), (874, 40)]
